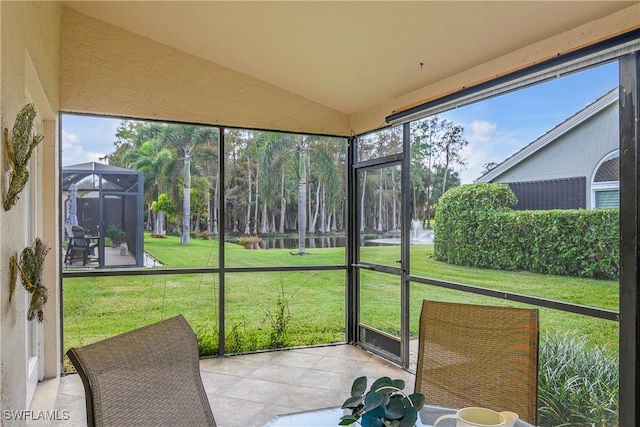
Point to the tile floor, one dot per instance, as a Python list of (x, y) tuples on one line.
[(248, 390)]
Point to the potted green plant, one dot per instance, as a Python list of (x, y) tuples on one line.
[(385, 404), (116, 235)]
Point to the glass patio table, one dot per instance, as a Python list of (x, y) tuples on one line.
[(330, 417)]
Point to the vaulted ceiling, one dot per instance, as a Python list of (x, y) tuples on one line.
[(348, 55)]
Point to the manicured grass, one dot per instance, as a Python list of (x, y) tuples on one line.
[(95, 308)]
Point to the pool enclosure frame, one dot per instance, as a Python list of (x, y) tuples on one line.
[(117, 202)]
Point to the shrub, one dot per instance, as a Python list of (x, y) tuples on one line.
[(459, 213), (207, 336), (241, 338), (476, 227), (204, 235), (248, 242), (578, 384)]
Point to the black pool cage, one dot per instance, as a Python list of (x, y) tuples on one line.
[(107, 203)]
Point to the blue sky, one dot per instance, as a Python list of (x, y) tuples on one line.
[(498, 127), (495, 128), (87, 138)]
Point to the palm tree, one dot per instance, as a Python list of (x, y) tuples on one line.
[(140, 147), (276, 150), (185, 139)]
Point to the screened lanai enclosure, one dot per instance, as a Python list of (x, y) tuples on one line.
[(102, 205), (398, 198)]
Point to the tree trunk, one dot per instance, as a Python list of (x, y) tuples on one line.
[(283, 205), (264, 223), (186, 202), (255, 214), (364, 183), (196, 225), (314, 221), (323, 211), (302, 200), (394, 194), (159, 226), (444, 181), (214, 208), (380, 209), (247, 225)]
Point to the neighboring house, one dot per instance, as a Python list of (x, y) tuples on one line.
[(574, 165)]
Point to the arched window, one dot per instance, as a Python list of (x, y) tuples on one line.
[(605, 185)]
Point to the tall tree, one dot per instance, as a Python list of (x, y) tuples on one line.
[(139, 146), (185, 139), (436, 145), (276, 150), (449, 148)]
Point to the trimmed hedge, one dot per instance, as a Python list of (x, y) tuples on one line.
[(475, 226)]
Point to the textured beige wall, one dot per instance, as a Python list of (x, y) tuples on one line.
[(29, 69), (579, 37), (106, 70)]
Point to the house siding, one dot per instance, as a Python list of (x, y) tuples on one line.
[(574, 155), (567, 193)]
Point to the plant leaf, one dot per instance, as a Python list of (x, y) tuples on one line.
[(359, 386), (399, 384), (380, 382), (386, 398), (417, 399), (371, 422), (352, 402), (410, 417), (347, 419), (395, 409), (373, 400), (374, 417)]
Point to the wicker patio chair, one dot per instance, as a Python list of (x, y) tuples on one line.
[(475, 355), (146, 377)]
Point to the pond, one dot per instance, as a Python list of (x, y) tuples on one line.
[(339, 241)]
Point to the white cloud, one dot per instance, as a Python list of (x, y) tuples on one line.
[(73, 151), (482, 131), (69, 138)]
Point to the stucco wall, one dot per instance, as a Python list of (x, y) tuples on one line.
[(100, 76), (110, 71), (29, 70)]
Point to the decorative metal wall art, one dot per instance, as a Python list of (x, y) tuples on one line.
[(31, 267), (19, 150)]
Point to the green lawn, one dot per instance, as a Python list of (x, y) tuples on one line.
[(95, 308)]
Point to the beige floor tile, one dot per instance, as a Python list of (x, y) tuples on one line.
[(233, 365), (215, 383), (233, 412), (248, 390), (340, 365), (279, 373), (296, 358), (335, 381)]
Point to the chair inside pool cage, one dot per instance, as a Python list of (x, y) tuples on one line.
[(107, 202)]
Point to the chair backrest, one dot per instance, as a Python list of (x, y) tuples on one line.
[(146, 377), (475, 355), (78, 236)]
